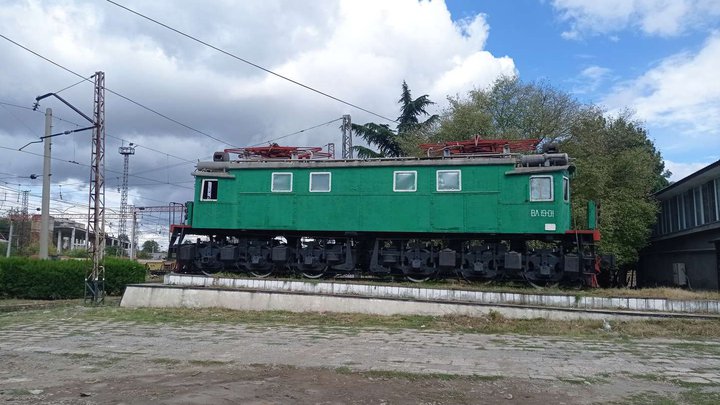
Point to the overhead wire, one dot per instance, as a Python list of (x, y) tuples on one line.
[(255, 65), (117, 94)]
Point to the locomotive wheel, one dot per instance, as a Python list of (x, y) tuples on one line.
[(264, 271), (314, 274), (261, 273), (420, 278), (540, 285)]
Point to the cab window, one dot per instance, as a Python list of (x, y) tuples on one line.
[(209, 190), (541, 188)]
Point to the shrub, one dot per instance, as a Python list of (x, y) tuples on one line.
[(50, 279)]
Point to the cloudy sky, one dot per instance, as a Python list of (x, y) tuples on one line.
[(659, 58)]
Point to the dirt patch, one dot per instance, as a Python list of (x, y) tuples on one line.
[(283, 384)]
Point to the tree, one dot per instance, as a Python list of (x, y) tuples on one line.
[(619, 167), (389, 143), (150, 246), (510, 109)]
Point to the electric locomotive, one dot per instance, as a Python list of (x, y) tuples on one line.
[(480, 209)]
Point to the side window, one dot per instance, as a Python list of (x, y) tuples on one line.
[(281, 182), (566, 189), (541, 188), (448, 180), (405, 181), (320, 182), (209, 190)]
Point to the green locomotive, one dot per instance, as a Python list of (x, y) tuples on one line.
[(482, 216)]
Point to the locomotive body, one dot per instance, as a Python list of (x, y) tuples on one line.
[(477, 216)]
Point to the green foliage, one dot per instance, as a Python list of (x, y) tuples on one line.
[(510, 109), (121, 272), (618, 166), (387, 141), (53, 279), (113, 250), (80, 253), (150, 246)]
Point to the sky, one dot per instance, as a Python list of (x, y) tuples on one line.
[(178, 101)]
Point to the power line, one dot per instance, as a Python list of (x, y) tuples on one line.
[(118, 94), (82, 164), (297, 132), (72, 85), (248, 62)]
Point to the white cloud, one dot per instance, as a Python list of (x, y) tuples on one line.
[(590, 79), (682, 92), (652, 17), (682, 170)]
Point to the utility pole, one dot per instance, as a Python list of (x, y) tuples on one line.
[(133, 238), (95, 278), (347, 151), (10, 235), (126, 151), (45, 210)]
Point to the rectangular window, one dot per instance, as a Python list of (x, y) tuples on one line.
[(448, 180), (320, 182), (566, 189), (541, 188), (209, 190), (405, 181), (281, 182)]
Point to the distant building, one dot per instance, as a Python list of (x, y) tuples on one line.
[(685, 245)]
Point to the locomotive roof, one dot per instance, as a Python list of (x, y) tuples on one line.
[(221, 168), (377, 162)]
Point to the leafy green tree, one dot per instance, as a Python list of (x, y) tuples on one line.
[(619, 167), (150, 246), (510, 109), (389, 142)]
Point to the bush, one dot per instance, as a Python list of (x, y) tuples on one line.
[(46, 279), (121, 272)]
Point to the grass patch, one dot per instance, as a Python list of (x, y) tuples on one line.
[(208, 363), (698, 347), (166, 361), (699, 397), (490, 324)]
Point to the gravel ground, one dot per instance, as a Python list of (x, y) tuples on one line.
[(65, 360)]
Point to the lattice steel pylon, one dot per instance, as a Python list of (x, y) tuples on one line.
[(24, 204), (347, 146), (126, 151), (95, 277)]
